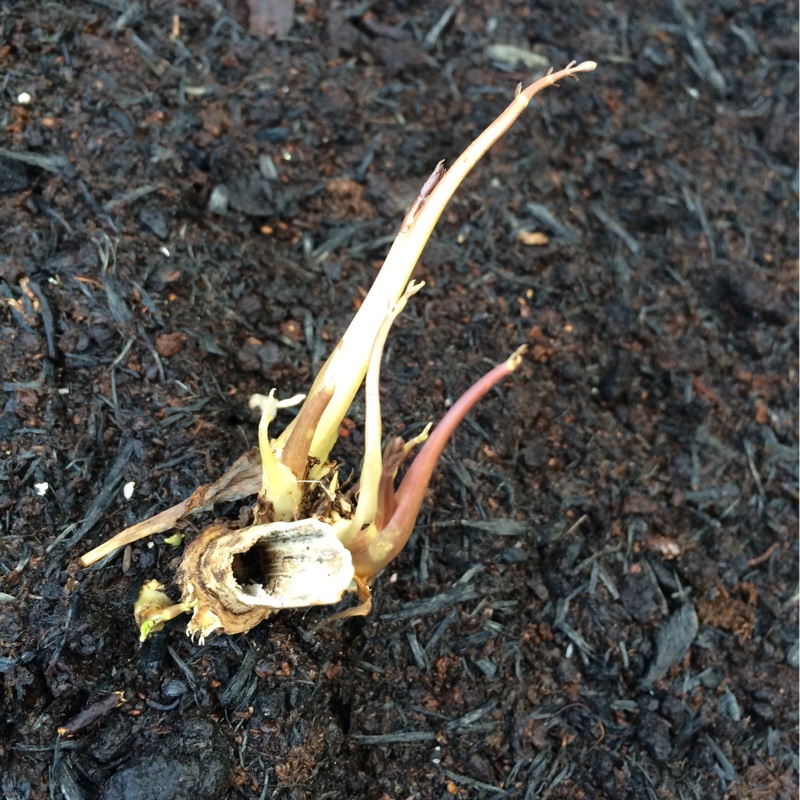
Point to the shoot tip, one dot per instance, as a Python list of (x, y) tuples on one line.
[(515, 359), (412, 288)]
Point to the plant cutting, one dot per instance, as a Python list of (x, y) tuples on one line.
[(309, 540)]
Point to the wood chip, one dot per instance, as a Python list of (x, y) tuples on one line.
[(169, 344), (674, 638), (533, 238), (510, 55), (270, 17)]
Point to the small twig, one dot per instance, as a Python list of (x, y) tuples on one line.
[(47, 317), (498, 791), (432, 36), (616, 228), (401, 737), (749, 453), (542, 213), (48, 163), (91, 714), (423, 608), (754, 562), (702, 64)]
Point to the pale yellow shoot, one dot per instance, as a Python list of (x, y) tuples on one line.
[(153, 608), (279, 485), (371, 467), (420, 438)]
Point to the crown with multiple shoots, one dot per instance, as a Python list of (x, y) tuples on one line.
[(309, 541)]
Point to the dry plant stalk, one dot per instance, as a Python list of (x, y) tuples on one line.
[(309, 543)]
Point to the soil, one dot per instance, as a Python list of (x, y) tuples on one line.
[(600, 598)]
